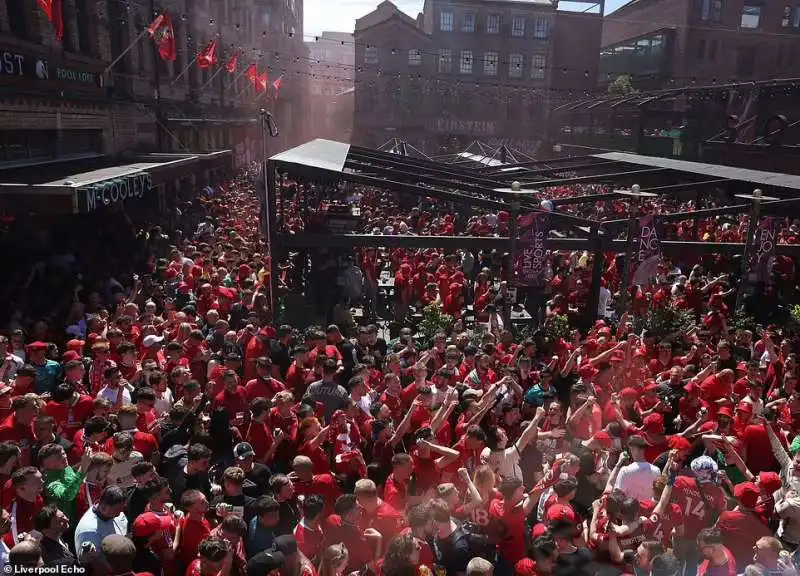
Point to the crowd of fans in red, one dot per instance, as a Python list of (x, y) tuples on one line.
[(183, 430)]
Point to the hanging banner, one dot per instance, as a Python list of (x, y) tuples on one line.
[(534, 231), (646, 252), (762, 253)]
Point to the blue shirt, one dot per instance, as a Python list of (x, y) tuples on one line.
[(258, 538), (47, 376), (92, 528)]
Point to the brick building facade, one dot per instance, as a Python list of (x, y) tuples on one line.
[(671, 43), (464, 70), (330, 113), (57, 103)]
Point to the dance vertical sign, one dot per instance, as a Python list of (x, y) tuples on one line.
[(763, 249), (534, 230), (647, 251)]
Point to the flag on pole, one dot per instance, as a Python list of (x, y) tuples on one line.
[(233, 63), (54, 11), (263, 82), (208, 57), (277, 85), (762, 254), (163, 33), (252, 74)]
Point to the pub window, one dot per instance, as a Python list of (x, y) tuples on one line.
[(716, 11), (541, 28), (414, 57), (468, 24), (490, 64), (515, 62), (84, 17), (445, 59), (787, 16), (538, 64), (751, 16), (493, 24), (518, 26), (705, 10), (371, 55), (17, 11), (796, 18), (446, 20), (466, 62), (746, 61)]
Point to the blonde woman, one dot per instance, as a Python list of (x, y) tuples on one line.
[(333, 561)]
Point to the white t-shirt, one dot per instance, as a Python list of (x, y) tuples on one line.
[(636, 480), (603, 301), (110, 394), (505, 463)]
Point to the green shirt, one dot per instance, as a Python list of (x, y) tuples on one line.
[(61, 488)]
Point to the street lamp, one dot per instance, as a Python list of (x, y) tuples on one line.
[(755, 210)]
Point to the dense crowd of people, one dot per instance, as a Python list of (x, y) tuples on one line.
[(176, 426)]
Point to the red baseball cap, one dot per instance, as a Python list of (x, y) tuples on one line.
[(146, 525), (747, 494), (771, 481), (558, 512)]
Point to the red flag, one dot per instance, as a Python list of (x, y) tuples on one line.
[(53, 9), (277, 85), (163, 33), (263, 82), (233, 63), (208, 57), (252, 73)]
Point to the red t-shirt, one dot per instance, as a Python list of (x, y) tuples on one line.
[(88, 495), (663, 526), (319, 457), (740, 531), (385, 519), (262, 388), (70, 418), (511, 530), (394, 493), (234, 402), (259, 436), (21, 435), (322, 484), (192, 533), (309, 541), (23, 513), (697, 516), (144, 443)]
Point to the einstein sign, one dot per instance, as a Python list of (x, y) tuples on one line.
[(110, 192)]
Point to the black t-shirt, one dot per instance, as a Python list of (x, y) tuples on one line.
[(243, 506), (577, 563), (729, 364), (137, 502), (256, 480), (181, 482), (279, 354)]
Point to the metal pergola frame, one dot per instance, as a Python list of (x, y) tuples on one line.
[(327, 161)]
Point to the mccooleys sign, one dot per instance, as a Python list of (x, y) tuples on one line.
[(109, 192)]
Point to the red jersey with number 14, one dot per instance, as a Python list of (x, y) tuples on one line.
[(695, 505)]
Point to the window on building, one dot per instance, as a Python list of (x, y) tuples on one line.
[(515, 62), (468, 24), (786, 19), (371, 55), (445, 59), (751, 16), (538, 63), (493, 24), (446, 21), (490, 64), (712, 50), (796, 18), (541, 28), (745, 61), (518, 26), (83, 15), (705, 10), (17, 11), (414, 57), (466, 62), (701, 48)]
